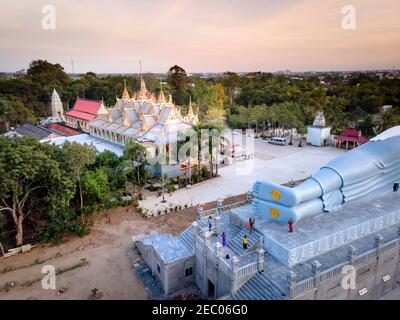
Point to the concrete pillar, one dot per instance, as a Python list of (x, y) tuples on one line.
[(351, 254), (249, 197), (316, 269), (260, 265), (220, 203), (199, 211), (217, 225), (235, 267), (291, 278), (378, 241), (218, 249), (207, 238), (378, 244)]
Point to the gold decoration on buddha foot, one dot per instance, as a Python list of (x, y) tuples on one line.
[(274, 213), (276, 194)]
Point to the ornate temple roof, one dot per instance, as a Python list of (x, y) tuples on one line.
[(142, 116)]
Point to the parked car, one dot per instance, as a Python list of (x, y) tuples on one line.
[(278, 141)]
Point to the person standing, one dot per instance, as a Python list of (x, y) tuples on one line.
[(244, 242), (290, 225), (223, 239), (209, 224), (252, 222)]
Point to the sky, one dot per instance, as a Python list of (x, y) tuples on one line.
[(107, 36)]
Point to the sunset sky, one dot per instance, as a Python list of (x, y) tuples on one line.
[(201, 35)]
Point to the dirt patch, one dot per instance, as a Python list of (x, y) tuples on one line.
[(99, 261)]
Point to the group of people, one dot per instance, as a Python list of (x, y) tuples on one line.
[(250, 227)]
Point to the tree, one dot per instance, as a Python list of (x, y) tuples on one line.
[(134, 157), (367, 126), (231, 81), (29, 173), (13, 112), (215, 116), (390, 119), (95, 186), (77, 158), (46, 73), (301, 130), (177, 81)]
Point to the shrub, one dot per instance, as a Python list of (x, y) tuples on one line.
[(61, 222)]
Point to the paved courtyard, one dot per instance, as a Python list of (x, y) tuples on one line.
[(278, 164)]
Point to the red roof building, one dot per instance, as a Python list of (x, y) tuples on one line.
[(66, 131), (81, 113), (350, 135)]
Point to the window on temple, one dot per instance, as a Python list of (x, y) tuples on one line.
[(188, 272), (158, 268)]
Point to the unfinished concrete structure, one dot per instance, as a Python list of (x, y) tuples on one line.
[(351, 253)]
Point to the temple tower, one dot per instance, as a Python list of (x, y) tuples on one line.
[(57, 111)]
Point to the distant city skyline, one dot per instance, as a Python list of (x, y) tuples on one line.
[(201, 36)]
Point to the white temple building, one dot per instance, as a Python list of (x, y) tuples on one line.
[(57, 111), (318, 134)]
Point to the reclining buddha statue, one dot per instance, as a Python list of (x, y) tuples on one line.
[(367, 171)]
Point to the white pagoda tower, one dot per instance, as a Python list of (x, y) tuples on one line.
[(57, 111)]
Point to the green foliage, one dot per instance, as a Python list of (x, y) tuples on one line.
[(95, 186), (77, 158), (61, 222), (177, 81), (134, 160), (13, 112), (30, 176), (391, 119)]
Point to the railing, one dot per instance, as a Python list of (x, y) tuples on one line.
[(246, 270), (390, 245), (214, 211), (366, 256), (304, 286), (332, 272), (309, 284)]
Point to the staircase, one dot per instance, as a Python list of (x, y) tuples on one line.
[(186, 237), (259, 287), (235, 244)]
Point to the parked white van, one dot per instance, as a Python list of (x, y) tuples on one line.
[(278, 140)]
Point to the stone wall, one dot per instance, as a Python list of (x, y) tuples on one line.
[(377, 272)]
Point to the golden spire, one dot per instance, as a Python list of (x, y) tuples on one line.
[(170, 98), (161, 97), (142, 95), (125, 94)]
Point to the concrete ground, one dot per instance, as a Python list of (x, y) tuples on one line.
[(278, 164)]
